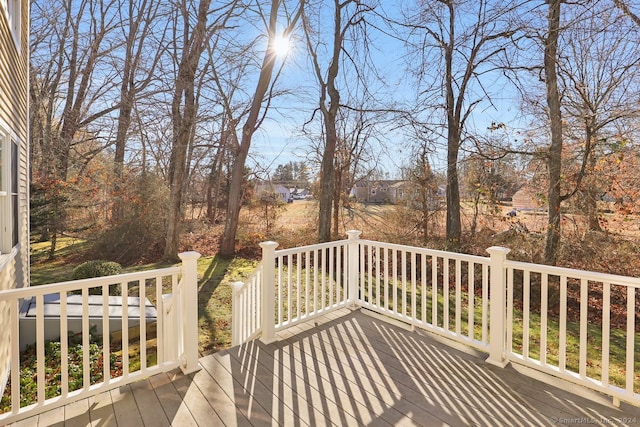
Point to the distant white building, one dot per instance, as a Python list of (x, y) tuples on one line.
[(269, 187), (299, 193)]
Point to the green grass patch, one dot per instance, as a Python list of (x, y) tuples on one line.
[(215, 299), (617, 347), (46, 270), (617, 339)]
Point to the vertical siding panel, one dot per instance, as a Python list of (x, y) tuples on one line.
[(14, 112)]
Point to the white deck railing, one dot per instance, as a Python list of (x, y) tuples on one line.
[(146, 341), (517, 312), (309, 282), (538, 307), (246, 308), (408, 284)]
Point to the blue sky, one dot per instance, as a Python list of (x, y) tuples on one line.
[(280, 140)]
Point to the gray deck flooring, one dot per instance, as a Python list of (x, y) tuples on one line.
[(344, 369)]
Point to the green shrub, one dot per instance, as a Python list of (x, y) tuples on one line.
[(138, 236), (97, 268)]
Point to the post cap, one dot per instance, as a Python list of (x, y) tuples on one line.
[(354, 234), (185, 256), (237, 285), (268, 244), (498, 250)]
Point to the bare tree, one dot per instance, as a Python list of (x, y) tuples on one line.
[(424, 198), (599, 74), (256, 114), (141, 24), (554, 155), (463, 39), (348, 17), (184, 109), (626, 6), (354, 156), (68, 91)]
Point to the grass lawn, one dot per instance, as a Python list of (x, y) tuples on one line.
[(59, 269), (214, 299)]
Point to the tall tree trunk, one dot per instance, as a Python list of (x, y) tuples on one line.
[(124, 122), (593, 220), (228, 243), (554, 159), (453, 223), (588, 175), (330, 112), (213, 185), (138, 27), (336, 201), (183, 123), (327, 179), (234, 202)]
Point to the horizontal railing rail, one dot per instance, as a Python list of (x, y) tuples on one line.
[(83, 337)]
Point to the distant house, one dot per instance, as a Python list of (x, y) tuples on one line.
[(299, 193), (400, 191), (269, 187), (390, 191), (526, 199), (377, 191)]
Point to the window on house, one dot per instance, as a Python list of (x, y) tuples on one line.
[(9, 204), (12, 10)]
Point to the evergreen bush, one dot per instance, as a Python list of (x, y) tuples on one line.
[(96, 268)]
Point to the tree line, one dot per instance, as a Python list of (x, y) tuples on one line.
[(144, 114)]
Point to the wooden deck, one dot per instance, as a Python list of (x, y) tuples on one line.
[(345, 369)]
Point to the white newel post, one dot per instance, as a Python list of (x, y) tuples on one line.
[(190, 311), (497, 301), (236, 317), (353, 253), (268, 292)]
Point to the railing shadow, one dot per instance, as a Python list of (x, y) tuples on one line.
[(359, 370)]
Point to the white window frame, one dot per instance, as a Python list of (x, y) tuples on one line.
[(12, 10), (7, 196)]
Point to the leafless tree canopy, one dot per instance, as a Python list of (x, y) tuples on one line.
[(189, 99)]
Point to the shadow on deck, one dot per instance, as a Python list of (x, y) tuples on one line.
[(346, 369)]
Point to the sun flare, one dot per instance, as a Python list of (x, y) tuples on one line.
[(281, 46)]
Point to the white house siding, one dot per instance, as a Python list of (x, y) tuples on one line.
[(14, 112), (14, 267), (7, 281)]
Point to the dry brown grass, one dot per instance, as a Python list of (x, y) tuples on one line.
[(616, 250)]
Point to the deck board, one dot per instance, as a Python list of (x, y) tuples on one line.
[(101, 411), (54, 418), (149, 407), (344, 369), (77, 414), (125, 407)]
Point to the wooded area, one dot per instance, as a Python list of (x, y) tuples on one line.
[(143, 113)]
